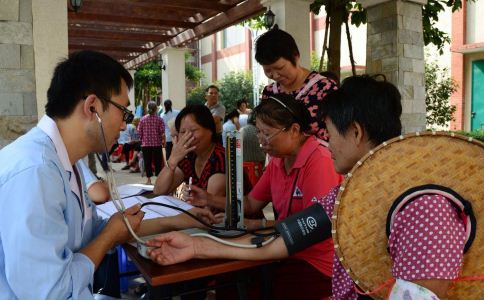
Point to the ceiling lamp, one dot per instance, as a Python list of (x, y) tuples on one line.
[(75, 5), (269, 18)]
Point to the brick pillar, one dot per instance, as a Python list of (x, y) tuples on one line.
[(457, 69), (395, 49)]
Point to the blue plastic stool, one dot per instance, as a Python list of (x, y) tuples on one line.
[(127, 269)]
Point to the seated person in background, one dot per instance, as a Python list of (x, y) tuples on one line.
[(135, 145), (300, 171), (254, 157), (123, 142), (231, 123), (196, 154), (97, 189)]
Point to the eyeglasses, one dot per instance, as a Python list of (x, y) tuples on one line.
[(267, 138), (127, 114)]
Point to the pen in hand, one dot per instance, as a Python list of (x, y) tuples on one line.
[(189, 185)]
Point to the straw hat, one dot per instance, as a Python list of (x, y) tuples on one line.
[(394, 167)]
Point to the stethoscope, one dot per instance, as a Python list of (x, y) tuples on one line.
[(113, 191)]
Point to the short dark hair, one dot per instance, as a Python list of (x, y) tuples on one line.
[(202, 116), (167, 104), (212, 86), (273, 113), (275, 44), (231, 115), (239, 102), (374, 104), (83, 73)]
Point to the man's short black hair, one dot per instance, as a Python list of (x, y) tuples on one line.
[(83, 73), (202, 116), (374, 104), (275, 44), (212, 86)]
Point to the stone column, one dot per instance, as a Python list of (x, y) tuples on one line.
[(173, 77), (293, 16), (131, 95), (33, 38), (395, 49)]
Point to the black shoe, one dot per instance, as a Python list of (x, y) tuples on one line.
[(125, 167)]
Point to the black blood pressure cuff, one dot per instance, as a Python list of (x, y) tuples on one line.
[(304, 229)]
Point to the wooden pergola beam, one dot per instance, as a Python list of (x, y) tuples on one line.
[(104, 48), (220, 21), (106, 19), (118, 35)]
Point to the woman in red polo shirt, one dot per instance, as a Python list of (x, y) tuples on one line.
[(300, 171)]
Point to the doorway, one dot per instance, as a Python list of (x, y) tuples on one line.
[(477, 95)]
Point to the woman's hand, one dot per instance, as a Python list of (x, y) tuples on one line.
[(182, 145), (202, 213), (196, 196), (171, 248)]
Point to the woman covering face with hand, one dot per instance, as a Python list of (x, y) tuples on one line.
[(195, 154)]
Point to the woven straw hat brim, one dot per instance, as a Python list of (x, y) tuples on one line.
[(386, 172)]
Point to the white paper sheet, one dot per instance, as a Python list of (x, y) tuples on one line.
[(128, 190), (151, 211), (165, 211)]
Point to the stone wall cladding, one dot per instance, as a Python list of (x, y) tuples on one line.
[(395, 48), (18, 105), (11, 127), (10, 10)]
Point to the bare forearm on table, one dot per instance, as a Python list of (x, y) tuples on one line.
[(206, 248)]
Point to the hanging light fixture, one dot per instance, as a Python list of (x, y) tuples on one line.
[(269, 18), (76, 5)]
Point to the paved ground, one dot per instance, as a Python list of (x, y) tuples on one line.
[(123, 176)]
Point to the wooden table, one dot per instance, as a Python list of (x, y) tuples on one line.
[(157, 275)]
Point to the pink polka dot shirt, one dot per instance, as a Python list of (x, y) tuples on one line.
[(426, 242)]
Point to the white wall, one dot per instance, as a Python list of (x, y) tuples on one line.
[(205, 45), (358, 39), (475, 22), (229, 64), (207, 73)]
